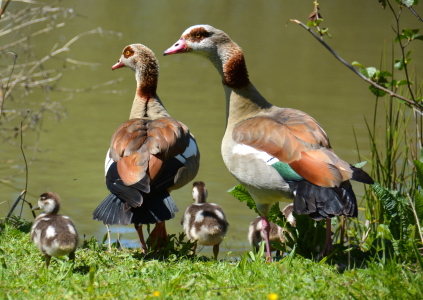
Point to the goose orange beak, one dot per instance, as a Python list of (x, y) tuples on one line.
[(179, 47)]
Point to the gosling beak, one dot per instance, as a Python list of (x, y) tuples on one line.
[(36, 207)]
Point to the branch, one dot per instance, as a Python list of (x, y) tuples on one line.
[(389, 92), (412, 11), (4, 8)]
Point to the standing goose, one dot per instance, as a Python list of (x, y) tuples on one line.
[(53, 234), (150, 155), (204, 222), (278, 154)]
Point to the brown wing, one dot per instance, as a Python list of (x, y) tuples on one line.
[(297, 139), (140, 146)]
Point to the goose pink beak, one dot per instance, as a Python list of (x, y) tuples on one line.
[(179, 47), (118, 65)]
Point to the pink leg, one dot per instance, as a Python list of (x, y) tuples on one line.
[(328, 245), (265, 227), (158, 235), (141, 236)]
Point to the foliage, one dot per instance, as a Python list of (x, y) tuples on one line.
[(393, 217), (307, 237), (123, 274)]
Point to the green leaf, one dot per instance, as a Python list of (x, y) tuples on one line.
[(385, 74), (383, 3), (244, 196), (356, 63), (360, 164), (399, 64), (407, 2), (376, 91), (371, 71)]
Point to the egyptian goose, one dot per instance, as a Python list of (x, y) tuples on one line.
[(204, 222), (277, 154), (53, 234), (150, 155), (276, 233)]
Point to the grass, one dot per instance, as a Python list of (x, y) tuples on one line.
[(124, 274)]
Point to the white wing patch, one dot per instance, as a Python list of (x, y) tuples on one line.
[(108, 162), (189, 151), (241, 149)]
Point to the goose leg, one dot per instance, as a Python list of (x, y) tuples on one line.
[(48, 257), (141, 236), (72, 256), (328, 244), (265, 227), (216, 251), (158, 235)]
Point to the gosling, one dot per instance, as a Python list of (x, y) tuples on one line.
[(276, 234), (53, 234), (204, 222)]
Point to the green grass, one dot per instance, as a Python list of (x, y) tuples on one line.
[(123, 274)]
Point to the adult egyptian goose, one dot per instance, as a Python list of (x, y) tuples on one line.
[(276, 233), (150, 155), (204, 222), (278, 154), (53, 234)]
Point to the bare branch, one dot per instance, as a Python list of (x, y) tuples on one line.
[(349, 66), (412, 11)]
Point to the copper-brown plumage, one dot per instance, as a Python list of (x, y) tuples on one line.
[(278, 154), (139, 146), (149, 155)]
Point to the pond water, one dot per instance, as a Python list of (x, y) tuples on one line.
[(285, 64)]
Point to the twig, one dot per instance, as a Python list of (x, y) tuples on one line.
[(402, 48), (389, 92), (65, 48), (412, 11), (26, 170), (4, 8)]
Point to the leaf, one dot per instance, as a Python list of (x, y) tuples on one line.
[(419, 170), (376, 91), (399, 64), (356, 63), (383, 3), (360, 164), (371, 71), (385, 74), (244, 196)]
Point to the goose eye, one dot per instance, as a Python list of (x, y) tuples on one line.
[(127, 52), (198, 36)]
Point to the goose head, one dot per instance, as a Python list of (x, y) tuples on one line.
[(199, 192), (138, 58), (216, 46), (201, 39), (49, 203)]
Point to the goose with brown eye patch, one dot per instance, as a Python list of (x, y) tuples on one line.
[(53, 234), (204, 222), (150, 155), (277, 154)]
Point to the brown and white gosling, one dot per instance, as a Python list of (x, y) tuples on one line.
[(276, 233), (53, 234), (204, 222)]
